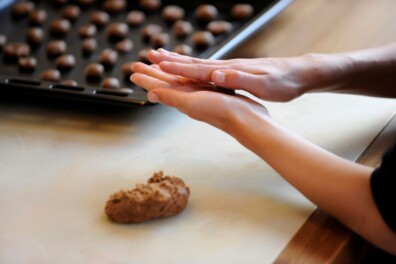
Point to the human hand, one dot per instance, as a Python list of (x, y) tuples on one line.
[(271, 79), (249, 122), (194, 98)]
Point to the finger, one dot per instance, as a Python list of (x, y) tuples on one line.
[(147, 82), (155, 66), (199, 105), (164, 55), (181, 79), (170, 97), (150, 83), (248, 65), (206, 106), (199, 72), (255, 84), (153, 71)]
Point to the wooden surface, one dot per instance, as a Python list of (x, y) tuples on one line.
[(320, 26), (58, 165), (326, 26)]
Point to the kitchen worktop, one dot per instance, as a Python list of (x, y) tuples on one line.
[(58, 167)]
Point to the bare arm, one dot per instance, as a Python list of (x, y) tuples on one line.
[(367, 72), (338, 186)]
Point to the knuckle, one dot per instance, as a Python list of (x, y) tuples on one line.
[(196, 60), (200, 71), (238, 78)]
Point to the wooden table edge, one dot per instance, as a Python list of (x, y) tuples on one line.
[(322, 239)]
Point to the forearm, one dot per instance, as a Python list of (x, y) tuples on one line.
[(340, 187), (366, 72)]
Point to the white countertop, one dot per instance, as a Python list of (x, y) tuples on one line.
[(58, 167)]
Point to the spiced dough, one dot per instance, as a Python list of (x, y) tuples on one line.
[(162, 196)]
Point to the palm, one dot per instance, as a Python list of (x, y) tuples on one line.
[(194, 98)]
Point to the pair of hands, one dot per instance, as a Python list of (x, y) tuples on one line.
[(339, 186), (188, 83)]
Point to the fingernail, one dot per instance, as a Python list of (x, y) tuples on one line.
[(152, 97), (219, 77), (163, 50)]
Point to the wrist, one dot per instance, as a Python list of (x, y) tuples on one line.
[(327, 72), (252, 126)]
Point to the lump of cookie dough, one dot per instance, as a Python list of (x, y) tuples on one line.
[(162, 196)]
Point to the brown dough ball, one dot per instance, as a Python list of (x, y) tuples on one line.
[(85, 3), (203, 39), (117, 31), (65, 62), (58, 2), (182, 28), (16, 50), (72, 83), (124, 46), (59, 28), (162, 196), (126, 68), (87, 31), (56, 48), (22, 9), (110, 83), (135, 18), (89, 45), (172, 13), (183, 49), (34, 36), (108, 58), (114, 6), (3, 41), (50, 75), (38, 17), (206, 13), (143, 56), (160, 40), (150, 5), (219, 27), (27, 64), (99, 18), (150, 30), (71, 12), (242, 11), (94, 71)]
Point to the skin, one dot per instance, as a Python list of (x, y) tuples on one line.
[(338, 186)]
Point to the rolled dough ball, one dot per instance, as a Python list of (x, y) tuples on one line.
[(162, 196)]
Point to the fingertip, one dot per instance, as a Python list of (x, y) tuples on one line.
[(153, 97), (163, 51), (154, 56), (218, 77), (136, 77), (153, 53), (136, 66), (155, 66), (132, 78), (168, 53), (164, 64)]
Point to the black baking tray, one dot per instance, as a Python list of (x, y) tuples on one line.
[(13, 81)]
